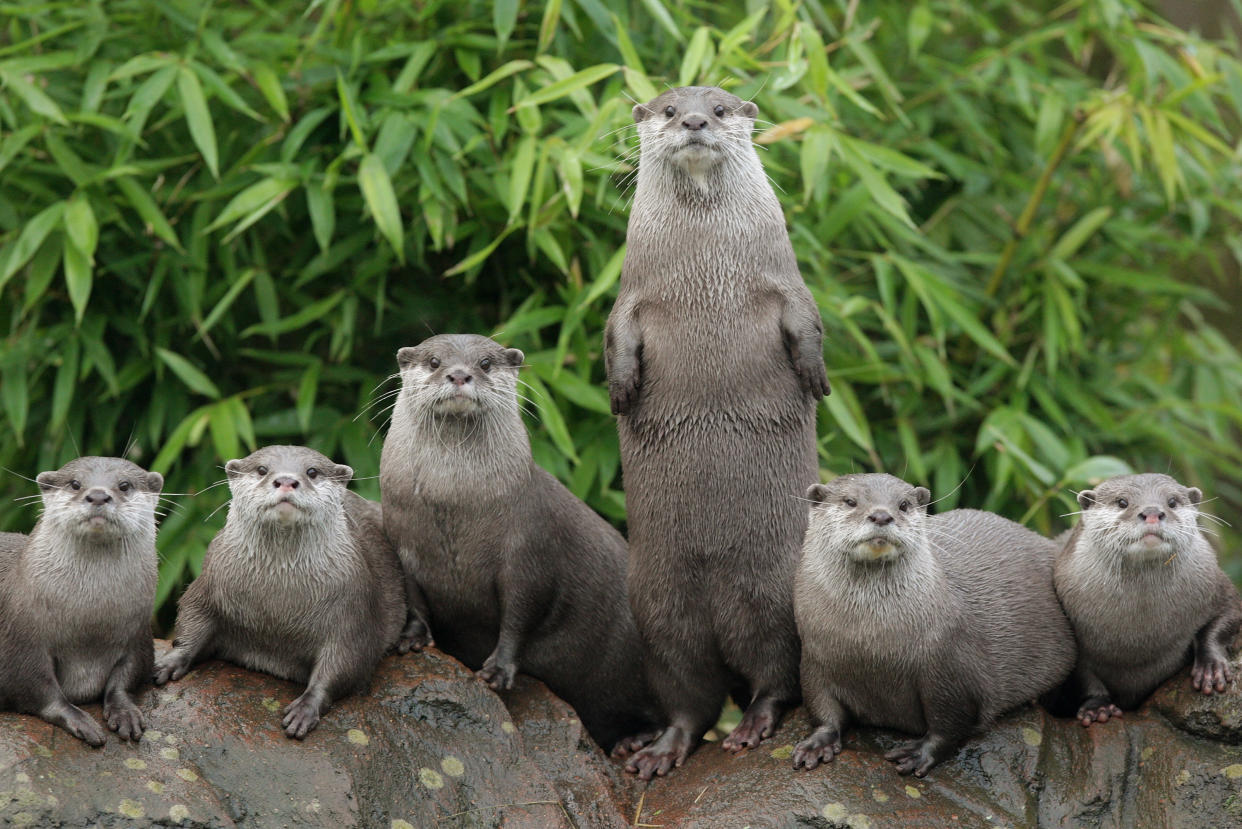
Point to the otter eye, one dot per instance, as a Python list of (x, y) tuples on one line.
[(312, 472), (433, 362), (123, 486), (1123, 503), (262, 470), (719, 111), (1172, 502), (670, 111), (903, 506), (485, 363), (75, 484), (851, 502)]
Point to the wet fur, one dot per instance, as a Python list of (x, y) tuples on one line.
[(1141, 618), (317, 602), (75, 608), (715, 365), (937, 641), (510, 570)]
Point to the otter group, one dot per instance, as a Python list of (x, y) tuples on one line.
[(743, 576)]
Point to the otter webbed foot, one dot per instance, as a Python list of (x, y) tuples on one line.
[(171, 666), (1210, 675), (666, 753), (498, 674), (415, 636), (301, 716), (1097, 709), (76, 721), (822, 746), (757, 725), (125, 719), (629, 744), (917, 756)]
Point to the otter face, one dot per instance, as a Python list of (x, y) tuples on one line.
[(459, 376), (286, 486), (868, 517), (100, 498), (1144, 518), (694, 127)]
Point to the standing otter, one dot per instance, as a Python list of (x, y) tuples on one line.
[(76, 597), (1143, 590), (515, 572), (301, 583), (933, 625), (715, 366)]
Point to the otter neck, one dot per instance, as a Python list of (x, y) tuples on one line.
[(488, 447), (315, 548), (57, 561), (735, 183)]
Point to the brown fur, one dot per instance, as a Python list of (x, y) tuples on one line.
[(76, 597), (310, 593), (715, 365), (932, 625)]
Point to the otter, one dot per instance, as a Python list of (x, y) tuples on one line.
[(300, 583), (932, 625), (1145, 595), (509, 569), (76, 598), (715, 366)]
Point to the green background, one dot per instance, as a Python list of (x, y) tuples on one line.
[(218, 222)]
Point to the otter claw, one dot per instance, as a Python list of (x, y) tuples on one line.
[(1097, 711), (498, 677), (1212, 675), (171, 666), (415, 637), (623, 394), (821, 747)]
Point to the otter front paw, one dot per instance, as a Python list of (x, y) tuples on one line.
[(1097, 709), (301, 717), (499, 676), (623, 392), (171, 666), (916, 756), (125, 719), (1210, 674), (813, 376), (821, 747), (415, 637), (83, 726)]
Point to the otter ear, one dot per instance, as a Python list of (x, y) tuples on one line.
[(233, 468), (155, 482), (342, 473), (747, 109), (817, 493), (923, 495), (405, 356), (514, 356), (1086, 499), (640, 113), (1195, 495), (46, 480)]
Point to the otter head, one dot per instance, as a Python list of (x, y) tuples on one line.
[(286, 486), (867, 518), (1141, 518), (695, 128), (101, 499), (459, 376)]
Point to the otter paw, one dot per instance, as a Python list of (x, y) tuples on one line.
[(1097, 709), (662, 756), (813, 377), (125, 719), (301, 717), (632, 743), (415, 637), (499, 677), (623, 394), (757, 725), (83, 726), (913, 756), (171, 666), (821, 747), (1210, 675)]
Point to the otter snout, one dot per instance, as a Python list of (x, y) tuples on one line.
[(1151, 515), (880, 517), (98, 496), (285, 483), (459, 378), (694, 122)]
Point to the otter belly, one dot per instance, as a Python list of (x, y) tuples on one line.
[(83, 670)]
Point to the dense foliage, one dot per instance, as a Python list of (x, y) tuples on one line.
[(219, 221)]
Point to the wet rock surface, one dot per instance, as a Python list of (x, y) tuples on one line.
[(431, 746)]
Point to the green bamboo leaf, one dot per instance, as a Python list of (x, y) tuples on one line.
[(1082, 230), (698, 55), (477, 258), (273, 92), (354, 115), (322, 208), (308, 388), (504, 18), (547, 27), (493, 78), (660, 12), (551, 418), (519, 176), (16, 393), (845, 408), (225, 302), (192, 423), (382, 202), (253, 202), (198, 118), (81, 226), (31, 237), (77, 278), (576, 81), (307, 315), (35, 98), (188, 373), (1096, 469), (142, 202), (66, 382), (918, 27), (224, 431), (42, 268), (16, 141), (575, 389)]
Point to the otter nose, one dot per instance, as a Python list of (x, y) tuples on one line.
[(98, 497), (1152, 515), (459, 378), (694, 122), (285, 482), (881, 517)]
